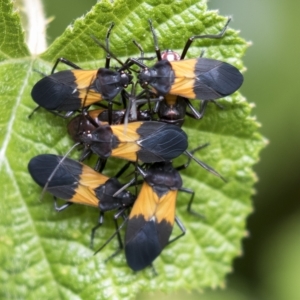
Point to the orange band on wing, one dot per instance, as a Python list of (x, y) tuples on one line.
[(88, 181), (126, 151), (149, 205), (86, 196), (89, 177), (184, 68), (84, 78), (89, 97), (184, 72), (145, 204), (127, 133), (166, 208), (127, 137)]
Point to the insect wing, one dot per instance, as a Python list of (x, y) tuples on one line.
[(184, 78), (205, 79), (85, 87), (221, 78), (127, 138), (149, 228), (161, 142), (72, 181), (65, 90)]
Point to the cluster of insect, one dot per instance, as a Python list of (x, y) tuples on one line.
[(146, 133)]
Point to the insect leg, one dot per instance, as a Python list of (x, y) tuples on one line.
[(209, 36), (64, 61), (100, 222), (61, 208), (181, 227)]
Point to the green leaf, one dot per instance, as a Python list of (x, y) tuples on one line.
[(12, 36), (45, 254)]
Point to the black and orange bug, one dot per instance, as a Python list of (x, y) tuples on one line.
[(146, 141), (152, 217), (66, 90), (198, 78), (77, 183), (150, 223), (172, 109), (202, 78)]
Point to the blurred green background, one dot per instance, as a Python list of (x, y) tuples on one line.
[(269, 266)]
